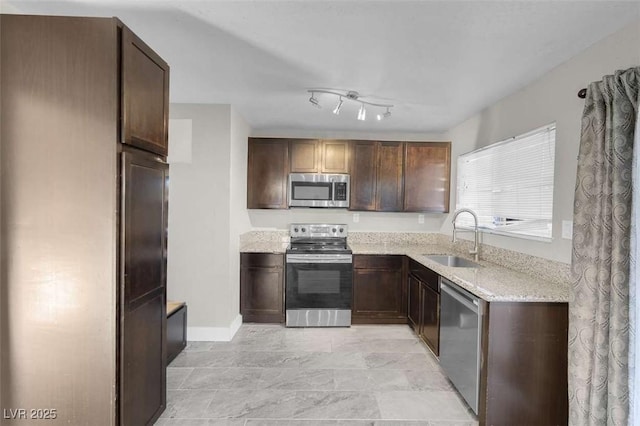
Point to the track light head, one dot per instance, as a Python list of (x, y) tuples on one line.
[(336, 110), (362, 113), (314, 100), (387, 114)]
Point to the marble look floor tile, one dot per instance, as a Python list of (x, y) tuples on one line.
[(269, 359), (300, 422), (187, 403), (422, 405), (176, 376), (400, 361), (378, 345), (196, 346), (297, 379), (371, 380), (223, 378), (335, 405), (332, 360), (427, 380), (200, 422), (258, 404), (273, 375), (204, 359)]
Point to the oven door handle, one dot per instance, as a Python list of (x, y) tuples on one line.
[(319, 258)]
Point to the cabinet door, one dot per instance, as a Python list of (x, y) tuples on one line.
[(304, 156), (267, 173), (143, 306), (430, 317), (145, 95), (389, 177), (378, 294), (335, 157), (363, 175), (262, 288), (426, 177), (415, 303)]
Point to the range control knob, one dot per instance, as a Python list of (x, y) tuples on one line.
[(295, 230), (333, 230), (304, 230), (341, 229)]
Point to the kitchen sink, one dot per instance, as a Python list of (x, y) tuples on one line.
[(454, 261)]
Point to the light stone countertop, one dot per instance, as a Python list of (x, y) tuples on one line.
[(264, 247), (491, 282)]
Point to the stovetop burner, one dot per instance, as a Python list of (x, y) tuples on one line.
[(318, 238)]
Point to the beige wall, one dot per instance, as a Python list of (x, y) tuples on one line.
[(198, 256), (207, 214), (551, 98)]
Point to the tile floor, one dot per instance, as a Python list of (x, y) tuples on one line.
[(272, 375)]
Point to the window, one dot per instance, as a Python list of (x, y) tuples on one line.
[(510, 185)]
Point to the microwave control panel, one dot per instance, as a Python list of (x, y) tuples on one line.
[(340, 191)]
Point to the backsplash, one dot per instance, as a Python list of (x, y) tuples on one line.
[(545, 269)]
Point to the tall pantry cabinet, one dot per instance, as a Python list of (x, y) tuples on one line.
[(84, 107)]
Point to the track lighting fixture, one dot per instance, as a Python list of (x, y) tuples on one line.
[(385, 115), (314, 100), (352, 96), (336, 110)]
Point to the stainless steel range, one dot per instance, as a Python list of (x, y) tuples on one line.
[(319, 277)]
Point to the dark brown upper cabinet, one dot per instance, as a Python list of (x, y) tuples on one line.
[(363, 175), (267, 173), (304, 156), (427, 169), (318, 156), (145, 95), (390, 186), (376, 176), (335, 156)]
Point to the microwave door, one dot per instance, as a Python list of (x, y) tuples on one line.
[(310, 194)]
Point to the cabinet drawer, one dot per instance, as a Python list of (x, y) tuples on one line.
[(261, 260), (424, 274), (377, 262)]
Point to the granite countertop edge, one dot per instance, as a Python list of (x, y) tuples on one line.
[(490, 282)]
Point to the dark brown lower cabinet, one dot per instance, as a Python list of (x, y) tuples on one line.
[(379, 293), (524, 367), (430, 317), (262, 287), (424, 304)]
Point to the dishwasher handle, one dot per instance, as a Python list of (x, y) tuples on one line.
[(469, 302)]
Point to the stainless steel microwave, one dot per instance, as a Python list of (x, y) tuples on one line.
[(318, 190)]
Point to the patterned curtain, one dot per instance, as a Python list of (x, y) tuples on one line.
[(634, 286), (599, 301)]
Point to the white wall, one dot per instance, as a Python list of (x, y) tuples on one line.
[(367, 221), (199, 216), (551, 98)]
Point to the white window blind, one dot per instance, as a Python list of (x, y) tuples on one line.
[(510, 185)]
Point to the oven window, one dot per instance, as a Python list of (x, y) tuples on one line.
[(319, 282), (318, 286), (311, 191)]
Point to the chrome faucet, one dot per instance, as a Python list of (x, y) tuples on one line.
[(475, 251)]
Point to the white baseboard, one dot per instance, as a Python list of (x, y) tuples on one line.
[(214, 334)]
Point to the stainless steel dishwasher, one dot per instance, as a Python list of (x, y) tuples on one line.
[(461, 318)]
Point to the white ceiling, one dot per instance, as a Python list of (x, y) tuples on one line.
[(439, 62)]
